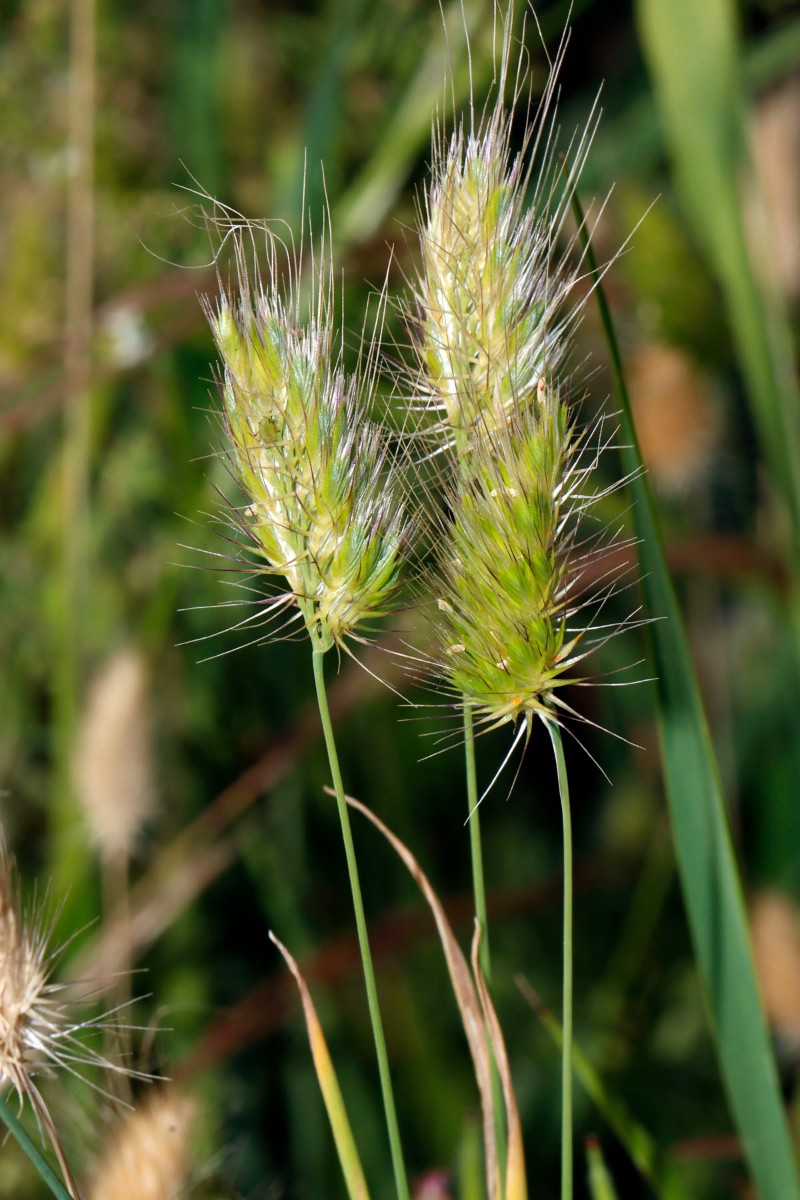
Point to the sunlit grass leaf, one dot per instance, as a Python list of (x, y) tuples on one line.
[(329, 1086), (708, 870)]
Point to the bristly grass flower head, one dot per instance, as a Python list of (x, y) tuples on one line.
[(513, 618), (496, 305), (325, 510), (147, 1156), (490, 295), (43, 1025), (323, 515), (39, 1023)]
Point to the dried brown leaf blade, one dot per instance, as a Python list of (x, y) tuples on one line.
[(516, 1186)]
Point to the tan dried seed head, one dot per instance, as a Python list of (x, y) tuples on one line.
[(148, 1157), (113, 768)]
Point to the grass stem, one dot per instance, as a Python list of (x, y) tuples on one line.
[(566, 1016), (14, 1126), (481, 912), (401, 1181), (476, 850)]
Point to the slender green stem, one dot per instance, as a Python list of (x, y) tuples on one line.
[(33, 1152), (475, 844), (566, 1017), (481, 913), (401, 1181)]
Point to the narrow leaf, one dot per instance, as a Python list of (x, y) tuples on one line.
[(709, 875), (601, 1184), (14, 1125), (469, 1165), (699, 90), (329, 1086)]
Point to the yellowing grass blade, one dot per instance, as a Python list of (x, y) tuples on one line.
[(329, 1086)]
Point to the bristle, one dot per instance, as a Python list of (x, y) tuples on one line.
[(148, 1156), (113, 769), (25, 1006)]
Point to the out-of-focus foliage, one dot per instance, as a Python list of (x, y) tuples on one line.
[(243, 101)]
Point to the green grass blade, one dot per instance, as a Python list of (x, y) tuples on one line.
[(708, 870), (13, 1124), (469, 1167), (601, 1184), (700, 95)]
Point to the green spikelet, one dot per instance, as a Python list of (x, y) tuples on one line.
[(324, 508), (507, 577), (490, 295)]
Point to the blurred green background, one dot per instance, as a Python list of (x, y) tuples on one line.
[(108, 477)]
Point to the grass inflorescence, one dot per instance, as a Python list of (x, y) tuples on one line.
[(495, 306), (44, 1025), (509, 579), (324, 509), (494, 299), (324, 505)]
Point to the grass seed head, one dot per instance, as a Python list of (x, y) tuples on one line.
[(43, 1025), (148, 1156), (26, 1018), (324, 508), (490, 294), (113, 766), (511, 624), (496, 304)]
